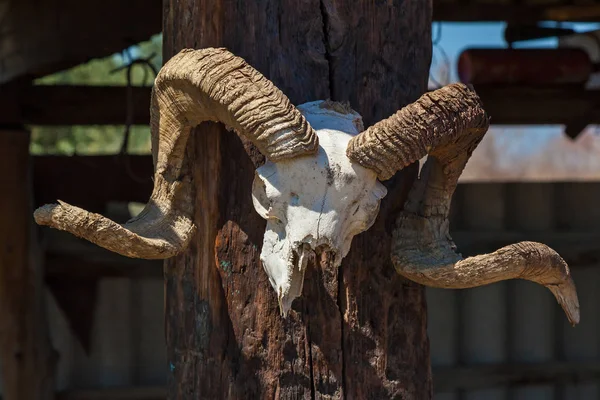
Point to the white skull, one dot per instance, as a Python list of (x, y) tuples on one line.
[(314, 203)]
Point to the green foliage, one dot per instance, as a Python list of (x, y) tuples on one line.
[(71, 140), (105, 139)]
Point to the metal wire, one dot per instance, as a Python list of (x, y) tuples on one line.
[(146, 63)]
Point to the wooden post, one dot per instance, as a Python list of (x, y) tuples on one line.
[(26, 356), (358, 332)]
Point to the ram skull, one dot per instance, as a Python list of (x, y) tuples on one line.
[(314, 203), (313, 197)]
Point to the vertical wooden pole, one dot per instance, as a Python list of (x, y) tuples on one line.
[(358, 332), (27, 359)]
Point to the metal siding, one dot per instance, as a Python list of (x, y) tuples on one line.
[(532, 332), (583, 342), (518, 321), (485, 337), (531, 307), (443, 329)]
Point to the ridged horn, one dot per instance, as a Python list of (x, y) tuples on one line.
[(447, 125), (433, 120), (193, 87), (423, 251)]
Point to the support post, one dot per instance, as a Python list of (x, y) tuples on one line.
[(357, 332), (26, 356)]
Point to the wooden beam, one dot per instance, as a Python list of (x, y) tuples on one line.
[(73, 105), (80, 266), (470, 11), (39, 37), (475, 377), (67, 255), (125, 393), (132, 393), (92, 181), (26, 354), (97, 105), (540, 105)]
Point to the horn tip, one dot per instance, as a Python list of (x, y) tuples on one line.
[(566, 295), (43, 215)]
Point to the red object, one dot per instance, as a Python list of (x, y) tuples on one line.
[(524, 66)]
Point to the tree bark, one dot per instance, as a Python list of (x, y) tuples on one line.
[(26, 355), (358, 332)]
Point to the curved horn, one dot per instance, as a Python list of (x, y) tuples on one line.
[(424, 252), (447, 125), (407, 136), (193, 87)]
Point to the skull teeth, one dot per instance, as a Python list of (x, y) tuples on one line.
[(297, 267)]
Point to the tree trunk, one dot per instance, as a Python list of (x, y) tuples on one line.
[(26, 355), (358, 332)]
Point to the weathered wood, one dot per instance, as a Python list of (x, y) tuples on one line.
[(488, 376), (359, 332), (73, 105), (27, 358), (40, 37)]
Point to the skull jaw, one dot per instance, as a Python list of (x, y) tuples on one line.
[(285, 263)]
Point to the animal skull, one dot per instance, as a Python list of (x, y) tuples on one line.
[(315, 197), (314, 203)]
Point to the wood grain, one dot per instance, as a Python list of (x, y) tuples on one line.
[(358, 332), (26, 355), (52, 105)]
